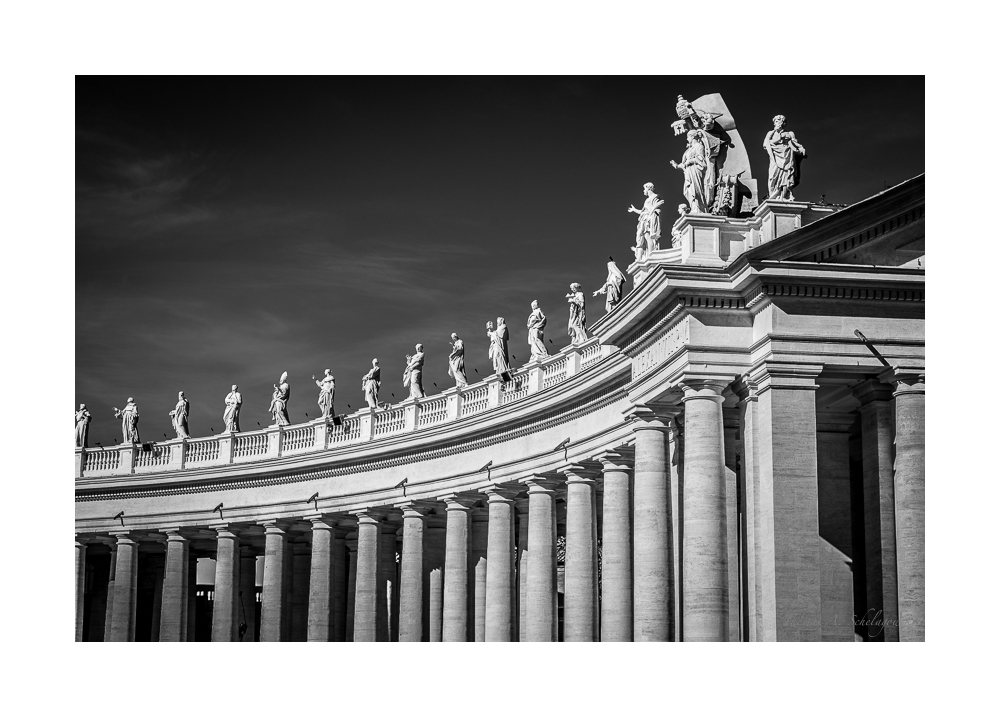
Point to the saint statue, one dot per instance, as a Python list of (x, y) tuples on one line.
[(82, 426), (370, 384), (232, 415), (536, 333), (279, 402), (327, 386), (413, 373), (647, 229), (698, 165), (613, 285), (577, 328), (785, 153), (179, 416), (130, 421), (456, 362), (498, 346), (675, 232)]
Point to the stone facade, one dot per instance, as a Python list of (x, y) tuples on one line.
[(724, 458)]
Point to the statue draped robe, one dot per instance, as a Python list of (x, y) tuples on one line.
[(179, 417), (232, 415), (370, 385), (456, 363), (536, 335), (327, 386), (82, 427), (130, 423), (413, 375), (498, 349), (577, 328), (784, 152), (279, 405)]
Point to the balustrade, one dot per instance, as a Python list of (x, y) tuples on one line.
[(298, 439), (97, 459), (433, 411), (390, 421), (202, 450), (250, 445), (349, 431), (555, 372), (154, 456)]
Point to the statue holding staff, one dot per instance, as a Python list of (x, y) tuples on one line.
[(370, 384), (785, 153), (577, 328), (232, 415), (179, 416), (413, 373), (456, 362), (612, 285), (130, 421), (536, 333), (82, 426), (279, 401), (498, 346), (327, 386)]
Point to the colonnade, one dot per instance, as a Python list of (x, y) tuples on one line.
[(648, 545)]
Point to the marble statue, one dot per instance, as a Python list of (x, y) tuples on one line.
[(699, 172), (326, 386), (370, 384), (456, 362), (577, 327), (232, 415), (130, 421), (536, 333), (498, 346), (613, 285), (647, 229), (675, 232), (785, 153), (179, 416), (279, 401), (413, 373), (82, 426)]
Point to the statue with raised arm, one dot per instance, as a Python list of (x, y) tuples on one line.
[(370, 384), (130, 421), (179, 416), (647, 228), (232, 415), (785, 153), (413, 373), (327, 386), (577, 328), (498, 345), (456, 361), (279, 401), (536, 333), (613, 285), (698, 166), (82, 426)]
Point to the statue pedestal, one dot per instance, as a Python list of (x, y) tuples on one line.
[(703, 239), (778, 217)]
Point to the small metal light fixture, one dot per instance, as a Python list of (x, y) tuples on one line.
[(218, 509), (314, 498), (563, 445), (871, 348), (487, 469), (402, 484), (120, 516)]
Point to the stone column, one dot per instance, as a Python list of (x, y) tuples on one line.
[(126, 582), (225, 621), (109, 608), (174, 607), (456, 569), (435, 580), (651, 523), (879, 508), (300, 592), (616, 552), (81, 583), (352, 582), (321, 580), (387, 576), (521, 593), (273, 598), (540, 617), (154, 628), (480, 535), (580, 619), (788, 553), (339, 560), (411, 587), (909, 489), (248, 593), (367, 581), (500, 566)]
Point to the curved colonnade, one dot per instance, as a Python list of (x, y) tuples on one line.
[(685, 475)]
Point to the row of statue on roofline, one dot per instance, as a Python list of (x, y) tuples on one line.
[(498, 335), (708, 191)]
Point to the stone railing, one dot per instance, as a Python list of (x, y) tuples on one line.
[(367, 424)]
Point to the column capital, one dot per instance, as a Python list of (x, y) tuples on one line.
[(905, 379), (224, 530), (696, 384), (575, 473), (275, 527), (459, 501), (613, 462), (125, 537), (414, 508), (541, 484), (498, 494), (651, 416), (872, 390), (794, 376), (368, 516), (175, 535), (322, 522)]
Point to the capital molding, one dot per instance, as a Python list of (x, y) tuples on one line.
[(906, 380), (369, 515), (414, 508), (650, 416), (576, 473), (459, 501), (699, 385), (542, 483), (872, 390), (786, 376), (501, 494)]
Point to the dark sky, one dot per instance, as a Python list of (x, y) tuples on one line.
[(231, 229)]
